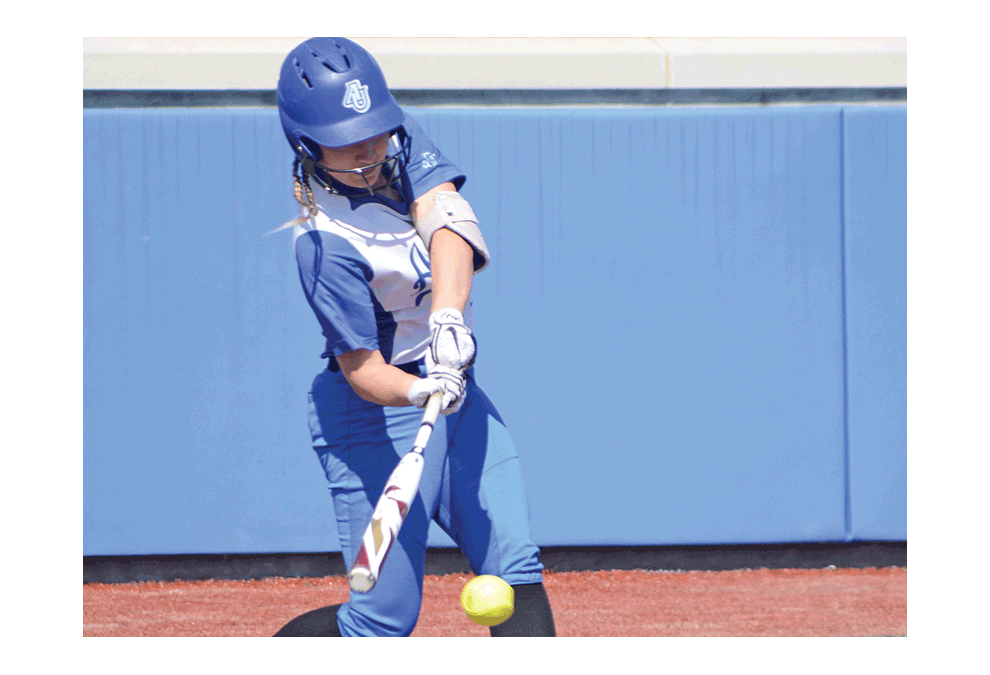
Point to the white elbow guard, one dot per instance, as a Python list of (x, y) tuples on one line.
[(452, 211)]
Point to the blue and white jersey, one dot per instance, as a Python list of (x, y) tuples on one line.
[(365, 270)]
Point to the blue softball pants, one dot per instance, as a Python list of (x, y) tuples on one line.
[(471, 486)]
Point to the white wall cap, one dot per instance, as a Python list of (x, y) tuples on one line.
[(511, 63), (756, 63), (784, 45)]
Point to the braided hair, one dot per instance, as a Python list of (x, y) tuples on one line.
[(303, 193)]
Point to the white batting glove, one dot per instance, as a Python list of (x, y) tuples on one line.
[(451, 382), (451, 344)]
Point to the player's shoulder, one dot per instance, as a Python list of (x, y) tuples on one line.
[(428, 167), (322, 237), (418, 139), (411, 125), (324, 252)]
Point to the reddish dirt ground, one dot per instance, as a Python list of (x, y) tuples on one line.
[(764, 602)]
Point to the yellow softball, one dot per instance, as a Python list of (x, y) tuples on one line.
[(488, 600)]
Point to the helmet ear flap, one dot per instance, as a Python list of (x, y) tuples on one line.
[(309, 147), (309, 154)]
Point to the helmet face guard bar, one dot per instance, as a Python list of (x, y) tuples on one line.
[(390, 167), (389, 172)]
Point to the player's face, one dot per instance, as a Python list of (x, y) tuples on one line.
[(358, 156)]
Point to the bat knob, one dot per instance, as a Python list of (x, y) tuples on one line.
[(361, 579)]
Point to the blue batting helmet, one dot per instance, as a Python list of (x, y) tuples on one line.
[(332, 92)]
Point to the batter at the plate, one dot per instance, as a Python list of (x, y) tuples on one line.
[(387, 249)]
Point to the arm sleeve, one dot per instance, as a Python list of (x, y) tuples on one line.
[(427, 166), (336, 280)]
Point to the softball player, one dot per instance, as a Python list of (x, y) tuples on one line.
[(386, 249)]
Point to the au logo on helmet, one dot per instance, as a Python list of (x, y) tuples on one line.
[(356, 96)]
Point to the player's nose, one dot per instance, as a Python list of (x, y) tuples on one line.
[(368, 151)]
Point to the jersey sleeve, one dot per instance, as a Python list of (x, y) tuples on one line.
[(336, 280), (427, 166)]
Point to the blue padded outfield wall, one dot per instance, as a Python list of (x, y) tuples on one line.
[(720, 294)]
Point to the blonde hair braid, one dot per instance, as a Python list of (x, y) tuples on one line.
[(304, 196)]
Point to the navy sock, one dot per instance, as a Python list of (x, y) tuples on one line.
[(532, 616)]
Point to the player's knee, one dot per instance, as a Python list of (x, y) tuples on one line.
[(397, 619), (518, 565), (400, 624)]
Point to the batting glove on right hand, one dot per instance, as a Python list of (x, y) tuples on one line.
[(451, 382)]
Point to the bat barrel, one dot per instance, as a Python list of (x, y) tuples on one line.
[(392, 507)]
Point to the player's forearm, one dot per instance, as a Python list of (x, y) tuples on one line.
[(452, 269), (375, 380), (451, 256)]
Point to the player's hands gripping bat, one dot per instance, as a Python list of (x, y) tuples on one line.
[(449, 382), (393, 506), (451, 352)]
